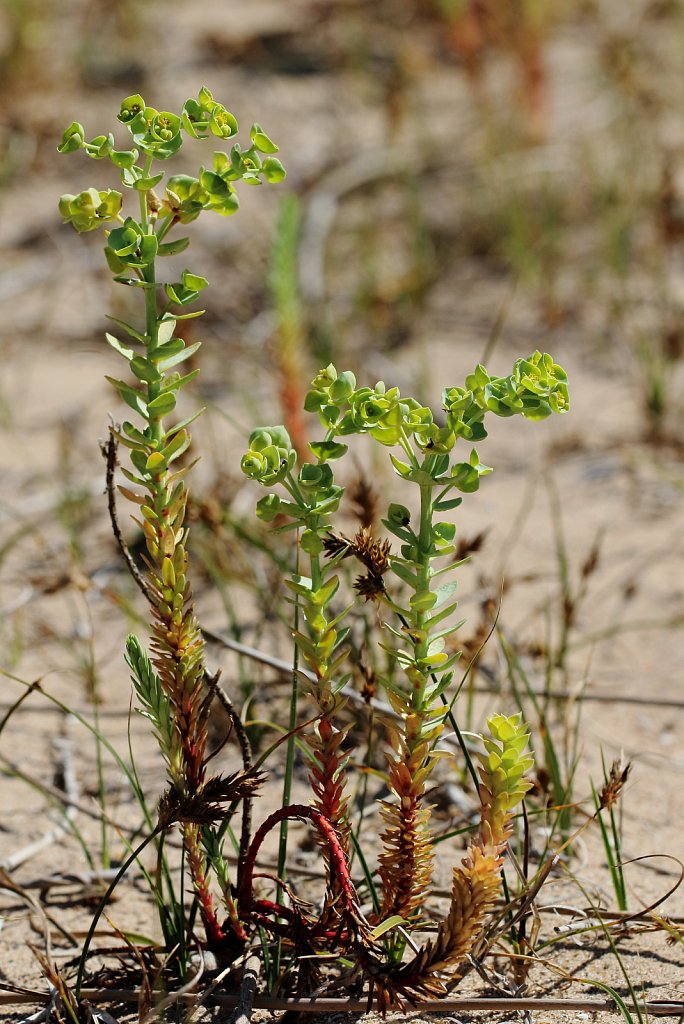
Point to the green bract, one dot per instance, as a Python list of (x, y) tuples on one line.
[(100, 147)]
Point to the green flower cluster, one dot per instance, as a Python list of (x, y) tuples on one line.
[(536, 387), (380, 412), (90, 209), (158, 135)]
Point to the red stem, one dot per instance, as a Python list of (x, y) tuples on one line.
[(338, 860)]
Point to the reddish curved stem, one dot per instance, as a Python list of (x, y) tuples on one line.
[(338, 860)]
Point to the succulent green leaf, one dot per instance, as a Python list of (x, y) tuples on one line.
[(145, 184), (123, 158), (145, 370), (268, 507), (127, 353), (134, 433), (130, 331), (422, 601), (406, 574), (327, 451), (178, 245), (178, 357), (184, 423), (129, 395), (162, 405), (148, 248), (176, 446), (402, 468), (444, 593), (174, 382), (273, 171), (444, 533), (194, 281), (447, 505)]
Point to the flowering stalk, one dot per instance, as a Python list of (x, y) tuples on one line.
[(170, 686), (421, 624), (312, 498)]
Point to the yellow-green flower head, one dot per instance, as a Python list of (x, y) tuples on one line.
[(131, 107), (165, 126), (222, 123), (270, 456), (372, 406), (90, 209)]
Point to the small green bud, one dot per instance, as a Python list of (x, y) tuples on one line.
[(124, 241), (271, 435), (195, 119), (399, 515), (206, 100), (324, 378), (270, 456), (312, 478), (100, 147), (73, 138)]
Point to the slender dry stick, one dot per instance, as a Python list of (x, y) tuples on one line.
[(317, 1004)]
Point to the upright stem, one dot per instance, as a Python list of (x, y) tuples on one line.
[(424, 575), (406, 863)]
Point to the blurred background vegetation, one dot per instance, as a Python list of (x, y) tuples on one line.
[(467, 180), (533, 148)]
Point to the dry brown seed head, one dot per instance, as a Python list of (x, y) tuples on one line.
[(612, 787)]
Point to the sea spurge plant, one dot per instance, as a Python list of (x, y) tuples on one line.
[(411, 588), (405, 579), (170, 685)]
